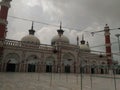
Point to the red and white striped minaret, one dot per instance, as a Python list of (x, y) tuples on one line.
[(108, 45), (5, 5)]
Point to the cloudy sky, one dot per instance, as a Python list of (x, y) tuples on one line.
[(77, 16)]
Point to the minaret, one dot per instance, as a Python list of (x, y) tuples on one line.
[(60, 31), (4, 6), (108, 45)]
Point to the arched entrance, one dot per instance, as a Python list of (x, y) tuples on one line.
[(83, 66), (12, 59), (67, 69), (48, 68), (102, 68), (49, 64), (68, 60), (31, 67), (102, 71), (32, 61), (81, 69), (67, 64), (93, 67), (92, 70)]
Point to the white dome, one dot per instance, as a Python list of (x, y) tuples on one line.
[(58, 38), (84, 47), (30, 39)]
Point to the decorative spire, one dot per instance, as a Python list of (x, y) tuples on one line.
[(82, 41), (32, 31), (60, 25), (77, 40), (32, 25), (87, 43), (60, 31), (82, 36)]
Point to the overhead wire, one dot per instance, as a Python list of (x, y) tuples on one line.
[(103, 45), (44, 23), (24, 19), (116, 53)]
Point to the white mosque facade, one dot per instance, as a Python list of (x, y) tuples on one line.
[(30, 55)]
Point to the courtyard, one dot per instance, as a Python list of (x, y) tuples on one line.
[(57, 81)]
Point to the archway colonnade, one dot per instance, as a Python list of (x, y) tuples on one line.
[(50, 64)]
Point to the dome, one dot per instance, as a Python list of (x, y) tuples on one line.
[(60, 37), (84, 47), (30, 39), (57, 38)]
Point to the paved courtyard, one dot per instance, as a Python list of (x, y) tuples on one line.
[(45, 81)]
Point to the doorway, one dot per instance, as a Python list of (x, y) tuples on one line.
[(10, 67), (48, 68), (31, 67), (67, 69), (102, 71), (92, 71)]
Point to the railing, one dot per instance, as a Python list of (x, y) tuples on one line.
[(20, 44)]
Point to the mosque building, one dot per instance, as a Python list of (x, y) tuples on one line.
[(31, 55)]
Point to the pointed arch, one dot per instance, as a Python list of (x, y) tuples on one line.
[(50, 60), (68, 58), (49, 63), (32, 59), (12, 58)]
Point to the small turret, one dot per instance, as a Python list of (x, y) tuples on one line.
[(84, 46)]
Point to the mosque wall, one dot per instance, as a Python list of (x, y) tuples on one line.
[(70, 61)]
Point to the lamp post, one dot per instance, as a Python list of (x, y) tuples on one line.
[(57, 50), (118, 35), (91, 76), (81, 67), (50, 70), (114, 77)]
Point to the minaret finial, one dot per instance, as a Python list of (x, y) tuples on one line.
[(82, 36), (32, 31), (82, 41), (60, 25), (60, 31), (32, 25), (77, 40)]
